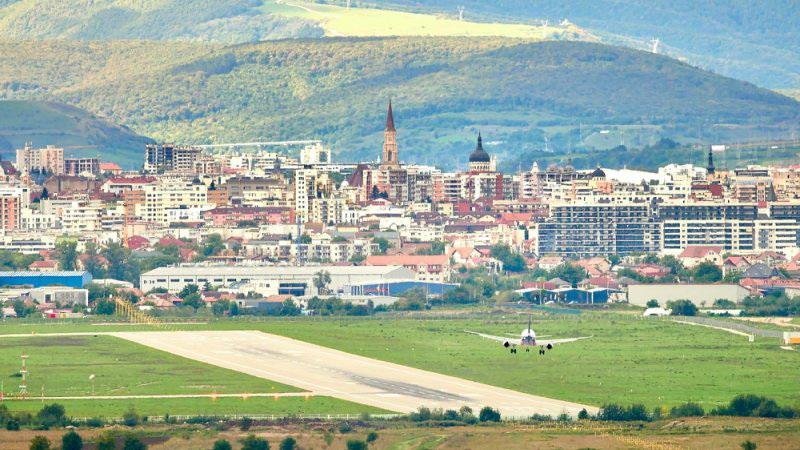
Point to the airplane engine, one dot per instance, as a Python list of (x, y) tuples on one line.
[(506, 344)]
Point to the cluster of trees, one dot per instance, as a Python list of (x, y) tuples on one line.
[(73, 441), (464, 415), (337, 307), (772, 304), (743, 405), (512, 261), (705, 272)]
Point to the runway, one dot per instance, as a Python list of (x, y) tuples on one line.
[(329, 372)]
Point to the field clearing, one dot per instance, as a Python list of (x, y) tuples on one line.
[(629, 359), (62, 366), (363, 22), (283, 406)]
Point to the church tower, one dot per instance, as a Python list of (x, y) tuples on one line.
[(390, 159)]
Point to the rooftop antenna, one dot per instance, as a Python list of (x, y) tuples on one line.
[(654, 44), (460, 13)]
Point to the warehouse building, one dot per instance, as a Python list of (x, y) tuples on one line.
[(39, 279), (274, 280)]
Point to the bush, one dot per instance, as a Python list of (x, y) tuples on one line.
[(345, 428), (288, 443), (252, 442), (423, 414), (682, 308), (51, 415), (488, 414), (106, 441), (356, 445), (652, 303), (688, 409), (541, 418), (40, 443), (748, 445), (564, 417), (12, 424), (372, 436), (131, 418), (133, 443), (583, 414), (222, 444), (95, 422), (616, 413), (71, 441), (245, 423)]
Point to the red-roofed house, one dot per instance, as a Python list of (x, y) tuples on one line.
[(110, 167), (735, 264), (137, 242), (426, 267), (651, 270), (693, 255), (47, 265)]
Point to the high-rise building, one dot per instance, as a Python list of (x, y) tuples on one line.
[(160, 158), (77, 166), (49, 159)]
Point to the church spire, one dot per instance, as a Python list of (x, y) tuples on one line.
[(710, 167), (390, 118)]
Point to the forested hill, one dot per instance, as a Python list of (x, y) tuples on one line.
[(746, 39), (444, 90), (79, 132)]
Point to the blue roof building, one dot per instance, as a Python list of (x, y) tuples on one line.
[(74, 279)]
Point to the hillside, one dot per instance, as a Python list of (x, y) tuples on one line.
[(445, 89), (81, 133), (745, 39), (235, 21)]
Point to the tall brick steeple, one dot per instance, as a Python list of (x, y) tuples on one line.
[(390, 157)]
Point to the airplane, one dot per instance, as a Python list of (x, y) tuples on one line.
[(528, 339)]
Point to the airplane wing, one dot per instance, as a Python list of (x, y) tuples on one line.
[(512, 341), (547, 342)]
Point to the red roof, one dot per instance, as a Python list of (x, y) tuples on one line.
[(406, 260), (109, 167), (46, 264), (699, 251), (131, 180), (137, 242)]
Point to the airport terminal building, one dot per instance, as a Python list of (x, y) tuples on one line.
[(297, 281)]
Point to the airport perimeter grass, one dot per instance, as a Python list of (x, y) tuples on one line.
[(629, 359), (63, 365), (283, 406)]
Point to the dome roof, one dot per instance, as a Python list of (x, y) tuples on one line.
[(598, 173), (479, 154)]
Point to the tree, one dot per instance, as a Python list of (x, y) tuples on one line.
[(105, 307), (131, 418), (212, 245), (682, 308), (252, 442), (66, 254), (583, 414), (372, 436), (707, 272), (724, 303), (383, 245), (92, 263), (40, 443), (133, 443), (512, 262), (569, 273), (288, 443), (487, 414), (45, 194), (51, 415), (120, 263), (222, 444), (321, 281), (71, 441), (652, 303), (195, 300), (289, 308), (354, 444)]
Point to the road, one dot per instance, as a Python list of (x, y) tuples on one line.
[(329, 372)]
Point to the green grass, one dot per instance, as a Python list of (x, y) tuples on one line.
[(63, 365), (629, 359), (340, 21), (204, 406)]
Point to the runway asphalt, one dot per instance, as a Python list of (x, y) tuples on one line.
[(325, 371)]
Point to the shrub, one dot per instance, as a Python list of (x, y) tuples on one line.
[(689, 409), (356, 445), (617, 413), (252, 442), (564, 417), (95, 422), (71, 441), (652, 303), (288, 443), (245, 423), (345, 428), (423, 414), (541, 418), (12, 424), (488, 414), (372, 436), (222, 444), (133, 443), (40, 443), (583, 414), (131, 418), (682, 308), (748, 445), (106, 441)]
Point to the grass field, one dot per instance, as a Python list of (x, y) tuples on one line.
[(340, 21), (629, 359), (63, 365), (201, 406)]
